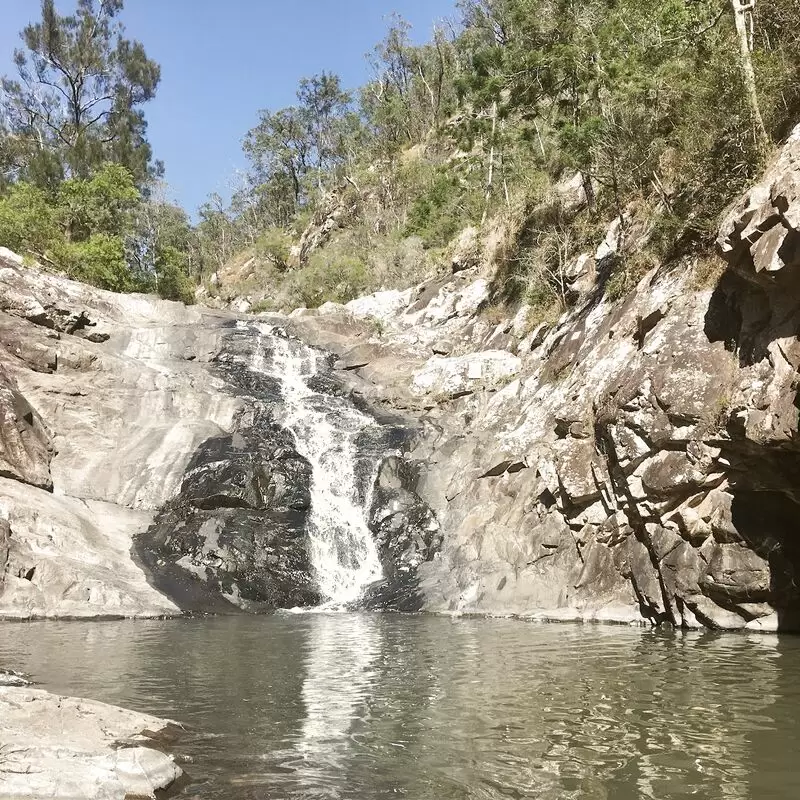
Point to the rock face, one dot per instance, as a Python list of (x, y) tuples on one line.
[(120, 414), (407, 534), (62, 747), (235, 533), (636, 462), (101, 410)]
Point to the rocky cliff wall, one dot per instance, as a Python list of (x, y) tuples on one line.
[(638, 461), (103, 399), (142, 468), (635, 462)]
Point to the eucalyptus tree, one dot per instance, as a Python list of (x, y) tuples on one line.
[(76, 101)]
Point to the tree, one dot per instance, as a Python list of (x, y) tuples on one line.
[(156, 225), (324, 110), (412, 86), (76, 102), (279, 150), (743, 11)]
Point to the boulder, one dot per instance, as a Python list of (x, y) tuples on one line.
[(64, 747)]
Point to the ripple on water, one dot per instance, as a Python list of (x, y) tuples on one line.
[(348, 706)]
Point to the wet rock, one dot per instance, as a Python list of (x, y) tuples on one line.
[(406, 532), (235, 536), (9, 677), (5, 545)]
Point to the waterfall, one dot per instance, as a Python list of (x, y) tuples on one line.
[(325, 427)]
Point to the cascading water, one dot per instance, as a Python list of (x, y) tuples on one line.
[(325, 427)]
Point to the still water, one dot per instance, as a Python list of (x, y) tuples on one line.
[(361, 707)]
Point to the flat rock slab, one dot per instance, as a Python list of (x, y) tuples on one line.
[(64, 747)]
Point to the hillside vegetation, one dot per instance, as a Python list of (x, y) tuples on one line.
[(512, 139)]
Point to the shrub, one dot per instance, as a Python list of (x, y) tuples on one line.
[(274, 246), (27, 219), (172, 281), (339, 279), (102, 204), (100, 260), (448, 204)]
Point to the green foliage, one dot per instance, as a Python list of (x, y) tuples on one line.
[(413, 88), (447, 204), (173, 283), (100, 204), (75, 103), (73, 156), (274, 246), (338, 279), (28, 219), (98, 260)]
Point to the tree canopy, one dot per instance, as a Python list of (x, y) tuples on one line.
[(76, 100)]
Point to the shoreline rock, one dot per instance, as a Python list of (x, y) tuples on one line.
[(67, 748)]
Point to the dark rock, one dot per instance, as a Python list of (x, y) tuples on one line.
[(407, 535), (240, 471), (235, 536), (508, 465), (5, 545)]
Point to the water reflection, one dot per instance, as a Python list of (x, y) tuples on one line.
[(340, 655), (376, 707)]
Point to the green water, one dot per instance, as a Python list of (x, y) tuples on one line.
[(385, 706)]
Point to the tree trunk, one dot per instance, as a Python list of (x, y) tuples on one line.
[(741, 8), (490, 180)]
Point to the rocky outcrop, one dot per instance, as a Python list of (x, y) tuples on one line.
[(406, 532), (638, 461), (63, 747), (106, 399), (236, 532)]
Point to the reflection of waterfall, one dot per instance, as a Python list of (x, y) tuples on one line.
[(340, 671), (325, 427)]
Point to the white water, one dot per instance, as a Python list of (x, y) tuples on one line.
[(325, 428)]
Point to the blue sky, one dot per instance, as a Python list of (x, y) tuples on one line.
[(223, 60)]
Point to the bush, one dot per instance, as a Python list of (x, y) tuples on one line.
[(274, 247), (338, 279), (447, 206), (27, 219), (172, 281), (100, 260)]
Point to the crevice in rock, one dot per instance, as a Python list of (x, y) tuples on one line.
[(635, 518)]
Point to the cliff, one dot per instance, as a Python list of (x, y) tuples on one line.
[(635, 460)]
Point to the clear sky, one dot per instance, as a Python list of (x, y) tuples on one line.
[(223, 60)]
